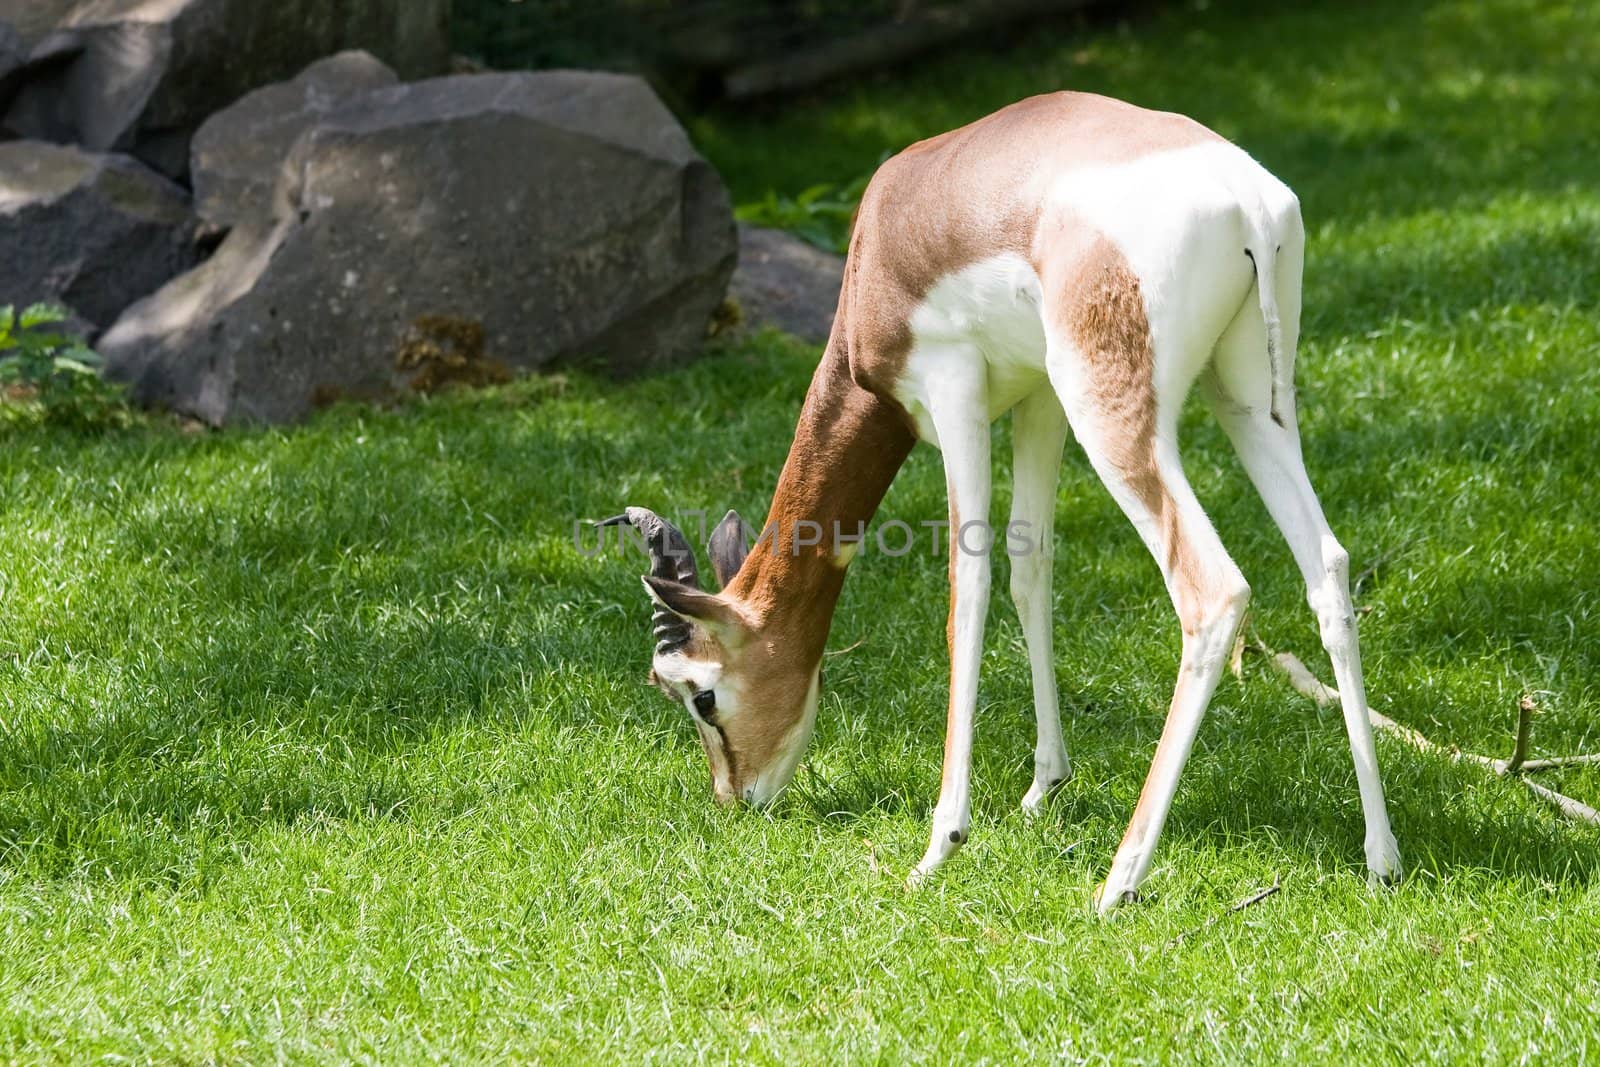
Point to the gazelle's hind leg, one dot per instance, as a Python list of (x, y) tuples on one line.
[(1039, 430), (1101, 363), (1237, 388)]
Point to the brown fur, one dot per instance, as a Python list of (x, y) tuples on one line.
[(1105, 316), (847, 448), (775, 694)]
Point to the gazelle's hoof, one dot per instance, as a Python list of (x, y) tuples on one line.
[(1383, 863), (1105, 906), (942, 847), (1385, 879), (1041, 791), (920, 874)]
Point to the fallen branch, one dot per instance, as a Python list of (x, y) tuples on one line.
[(1517, 767), (1558, 761), (1303, 680), (1236, 657), (1572, 809)]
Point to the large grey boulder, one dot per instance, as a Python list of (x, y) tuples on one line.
[(785, 282), (451, 229), (93, 232), (141, 75), (237, 154)]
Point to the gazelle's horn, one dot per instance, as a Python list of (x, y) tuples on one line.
[(670, 558)]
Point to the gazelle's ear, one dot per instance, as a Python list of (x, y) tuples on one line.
[(707, 609), (729, 545)]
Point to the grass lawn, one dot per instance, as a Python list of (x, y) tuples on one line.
[(326, 743)]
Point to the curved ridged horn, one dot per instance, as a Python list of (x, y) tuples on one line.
[(670, 558)]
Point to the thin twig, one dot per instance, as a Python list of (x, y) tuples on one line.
[(1254, 898), (1372, 568), (1257, 897), (1307, 684)]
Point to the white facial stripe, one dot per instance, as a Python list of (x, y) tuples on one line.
[(718, 755), (680, 672), (687, 677)]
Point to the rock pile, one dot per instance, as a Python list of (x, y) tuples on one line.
[(349, 233), (560, 215)]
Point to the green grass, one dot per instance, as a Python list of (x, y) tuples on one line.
[(326, 743)]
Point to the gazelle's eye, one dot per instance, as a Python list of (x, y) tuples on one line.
[(705, 704)]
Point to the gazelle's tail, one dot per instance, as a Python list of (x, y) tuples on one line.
[(1263, 253)]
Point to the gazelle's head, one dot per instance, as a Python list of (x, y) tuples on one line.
[(750, 688)]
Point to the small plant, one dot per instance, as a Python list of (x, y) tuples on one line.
[(820, 214), (49, 377)]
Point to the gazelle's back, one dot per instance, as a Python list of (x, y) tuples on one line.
[(1020, 183)]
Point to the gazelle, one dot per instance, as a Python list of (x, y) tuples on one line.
[(1078, 262)]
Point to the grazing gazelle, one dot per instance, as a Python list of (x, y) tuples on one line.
[(1079, 262)]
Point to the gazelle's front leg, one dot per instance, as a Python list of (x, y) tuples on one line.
[(957, 408), (1039, 430)]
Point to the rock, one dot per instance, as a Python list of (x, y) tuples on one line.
[(93, 232), (450, 229), (34, 19), (13, 53), (785, 282), (141, 75), (237, 154)]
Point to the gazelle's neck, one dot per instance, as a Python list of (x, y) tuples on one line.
[(848, 445)]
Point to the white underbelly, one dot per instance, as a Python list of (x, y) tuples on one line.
[(982, 320)]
